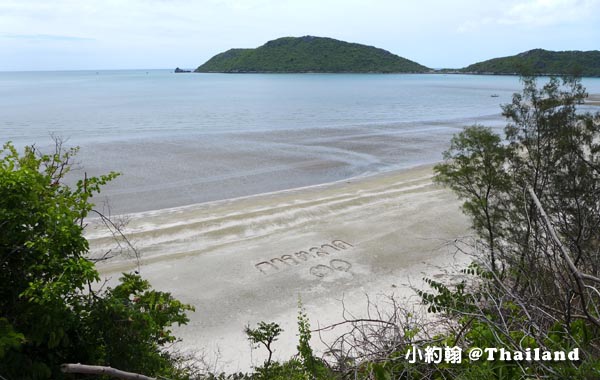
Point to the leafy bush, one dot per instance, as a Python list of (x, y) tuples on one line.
[(49, 311)]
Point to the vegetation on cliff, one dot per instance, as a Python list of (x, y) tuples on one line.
[(310, 54), (539, 61)]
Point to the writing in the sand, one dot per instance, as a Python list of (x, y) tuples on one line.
[(335, 265), (277, 263)]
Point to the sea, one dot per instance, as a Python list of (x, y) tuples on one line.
[(180, 139)]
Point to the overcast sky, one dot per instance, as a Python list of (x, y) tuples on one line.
[(146, 34)]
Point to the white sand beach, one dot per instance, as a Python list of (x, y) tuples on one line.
[(247, 260)]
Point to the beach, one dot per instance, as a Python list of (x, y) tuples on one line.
[(593, 99), (251, 259)]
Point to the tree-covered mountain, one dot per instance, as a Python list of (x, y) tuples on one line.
[(310, 54), (540, 61)]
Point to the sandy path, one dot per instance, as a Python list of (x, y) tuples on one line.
[(246, 260)]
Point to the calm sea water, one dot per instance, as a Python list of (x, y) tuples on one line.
[(187, 138)]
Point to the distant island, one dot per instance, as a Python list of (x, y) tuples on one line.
[(310, 54), (540, 62)]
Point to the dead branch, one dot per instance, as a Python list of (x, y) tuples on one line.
[(579, 276), (353, 321), (101, 370), (116, 230)]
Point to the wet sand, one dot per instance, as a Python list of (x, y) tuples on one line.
[(593, 99), (175, 171), (249, 259)]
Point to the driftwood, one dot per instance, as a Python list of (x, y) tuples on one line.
[(100, 370)]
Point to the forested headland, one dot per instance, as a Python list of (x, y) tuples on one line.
[(541, 62), (310, 54)]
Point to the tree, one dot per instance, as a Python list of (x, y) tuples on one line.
[(265, 334), (558, 153), (50, 312), (545, 202), (474, 169)]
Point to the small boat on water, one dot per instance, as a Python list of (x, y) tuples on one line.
[(494, 95)]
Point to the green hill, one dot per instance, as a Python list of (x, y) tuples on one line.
[(539, 61), (309, 54)]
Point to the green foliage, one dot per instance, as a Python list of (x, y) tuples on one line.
[(49, 312), (265, 334), (42, 268), (451, 301), (558, 157), (291, 369), (305, 351), (304, 366), (474, 168), (310, 54), (131, 322), (312, 367), (539, 61), (9, 338)]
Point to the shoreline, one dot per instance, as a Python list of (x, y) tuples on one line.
[(250, 259), (179, 173), (356, 181), (358, 177), (593, 100)]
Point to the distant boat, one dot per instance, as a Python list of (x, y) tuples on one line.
[(494, 95), (178, 70)]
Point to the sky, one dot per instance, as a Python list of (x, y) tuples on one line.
[(154, 34)]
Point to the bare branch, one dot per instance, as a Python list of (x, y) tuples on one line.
[(579, 277), (101, 370)]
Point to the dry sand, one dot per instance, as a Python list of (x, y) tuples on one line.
[(247, 260)]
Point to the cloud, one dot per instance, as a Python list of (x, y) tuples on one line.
[(535, 13), (474, 25), (532, 14), (46, 37)]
